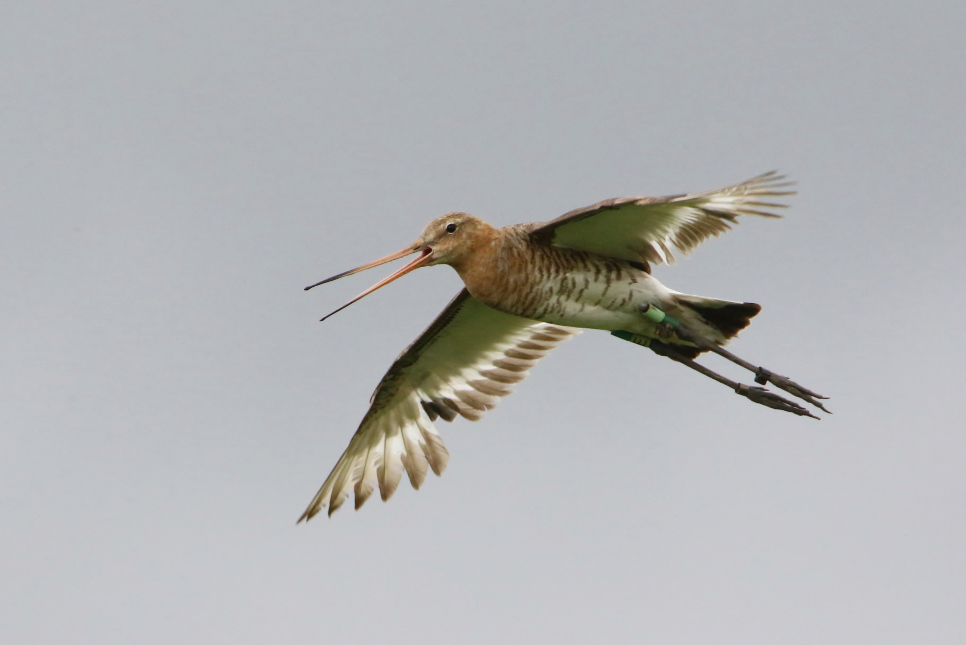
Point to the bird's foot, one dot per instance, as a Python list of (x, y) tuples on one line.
[(763, 377), (761, 396)]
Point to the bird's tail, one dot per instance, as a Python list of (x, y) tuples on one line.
[(717, 320)]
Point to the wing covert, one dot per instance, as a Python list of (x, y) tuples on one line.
[(460, 366)]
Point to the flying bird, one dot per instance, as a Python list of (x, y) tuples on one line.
[(530, 287)]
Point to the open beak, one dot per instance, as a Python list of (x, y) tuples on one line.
[(422, 260)]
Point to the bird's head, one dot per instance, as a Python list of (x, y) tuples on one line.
[(452, 238), (449, 239)]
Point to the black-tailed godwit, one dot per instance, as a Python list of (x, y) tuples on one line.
[(529, 287)]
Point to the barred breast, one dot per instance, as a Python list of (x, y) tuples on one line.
[(560, 286)]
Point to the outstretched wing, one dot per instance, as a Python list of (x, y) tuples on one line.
[(460, 365), (648, 228)]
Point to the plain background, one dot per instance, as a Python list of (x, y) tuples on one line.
[(173, 173)]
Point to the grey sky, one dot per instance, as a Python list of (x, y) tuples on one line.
[(172, 174)]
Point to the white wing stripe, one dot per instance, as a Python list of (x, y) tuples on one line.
[(462, 365), (366, 481), (414, 460), (634, 228), (390, 470), (436, 453), (487, 386)]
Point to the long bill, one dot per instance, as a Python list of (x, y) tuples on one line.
[(422, 260)]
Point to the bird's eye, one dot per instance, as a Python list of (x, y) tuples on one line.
[(451, 227)]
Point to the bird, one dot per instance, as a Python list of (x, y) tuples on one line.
[(527, 289)]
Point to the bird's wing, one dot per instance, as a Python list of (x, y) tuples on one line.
[(648, 228), (460, 365)]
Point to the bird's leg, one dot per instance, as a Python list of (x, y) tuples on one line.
[(762, 376), (759, 395)]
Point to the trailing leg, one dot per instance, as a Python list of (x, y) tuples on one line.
[(763, 376), (759, 395)]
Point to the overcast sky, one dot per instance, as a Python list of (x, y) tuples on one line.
[(173, 173)]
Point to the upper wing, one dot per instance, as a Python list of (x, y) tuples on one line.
[(646, 228), (461, 364)]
